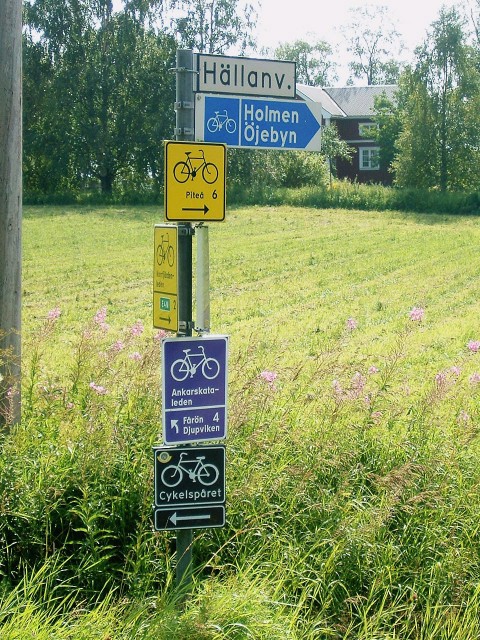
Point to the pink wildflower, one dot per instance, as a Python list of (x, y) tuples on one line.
[(101, 391), (54, 314), (456, 371), (100, 318), (136, 329), (160, 335), (475, 378), (463, 417), (372, 370), (441, 379), (118, 346), (474, 346), (269, 376), (337, 390), (357, 385), (101, 315), (352, 324), (416, 314), (136, 355)]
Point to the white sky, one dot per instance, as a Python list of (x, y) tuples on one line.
[(290, 20)]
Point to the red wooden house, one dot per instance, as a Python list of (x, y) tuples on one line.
[(352, 110)]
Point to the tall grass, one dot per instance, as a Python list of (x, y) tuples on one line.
[(260, 190), (353, 449), (366, 197)]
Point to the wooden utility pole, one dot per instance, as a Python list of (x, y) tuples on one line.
[(10, 208)]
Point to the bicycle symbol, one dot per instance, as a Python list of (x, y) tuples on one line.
[(165, 251), (183, 367), (221, 120), (206, 474), (190, 168)]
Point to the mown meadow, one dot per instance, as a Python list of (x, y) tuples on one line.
[(353, 469)]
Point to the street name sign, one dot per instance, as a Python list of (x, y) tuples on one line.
[(195, 181), (165, 277), (248, 76), (189, 487), (258, 123), (194, 389)]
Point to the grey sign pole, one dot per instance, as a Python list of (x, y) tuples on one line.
[(184, 130), (10, 208)]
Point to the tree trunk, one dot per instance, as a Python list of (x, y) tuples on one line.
[(106, 182), (10, 208)]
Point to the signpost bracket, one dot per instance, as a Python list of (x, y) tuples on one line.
[(186, 328), (183, 104), (181, 131), (184, 230), (183, 69)]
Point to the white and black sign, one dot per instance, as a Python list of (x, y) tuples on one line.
[(189, 476), (189, 487), (246, 76), (190, 517)]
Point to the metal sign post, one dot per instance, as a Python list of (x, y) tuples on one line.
[(184, 130)]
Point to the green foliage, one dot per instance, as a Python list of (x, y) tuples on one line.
[(215, 26), (437, 144), (98, 96), (374, 43), (314, 64), (353, 441), (254, 176), (347, 195)]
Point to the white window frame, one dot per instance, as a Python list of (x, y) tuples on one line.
[(364, 129), (365, 163)]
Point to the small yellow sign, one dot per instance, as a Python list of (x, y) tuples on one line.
[(195, 182), (165, 277)]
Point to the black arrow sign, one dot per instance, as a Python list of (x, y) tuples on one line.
[(205, 209), (209, 516)]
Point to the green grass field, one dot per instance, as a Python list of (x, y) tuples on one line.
[(353, 466)]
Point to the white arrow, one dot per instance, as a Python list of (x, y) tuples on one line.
[(174, 424), (174, 518)]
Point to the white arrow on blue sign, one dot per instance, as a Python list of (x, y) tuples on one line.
[(194, 389), (258, 123)]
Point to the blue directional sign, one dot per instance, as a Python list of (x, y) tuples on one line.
[(258, 123), (194, 386)]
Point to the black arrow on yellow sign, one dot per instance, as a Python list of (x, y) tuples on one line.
[(205, 209)]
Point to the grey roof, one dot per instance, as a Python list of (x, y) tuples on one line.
[(319, 95), (359, 101)]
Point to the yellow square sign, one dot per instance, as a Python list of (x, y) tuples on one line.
[(195, 182), (165, 277)]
